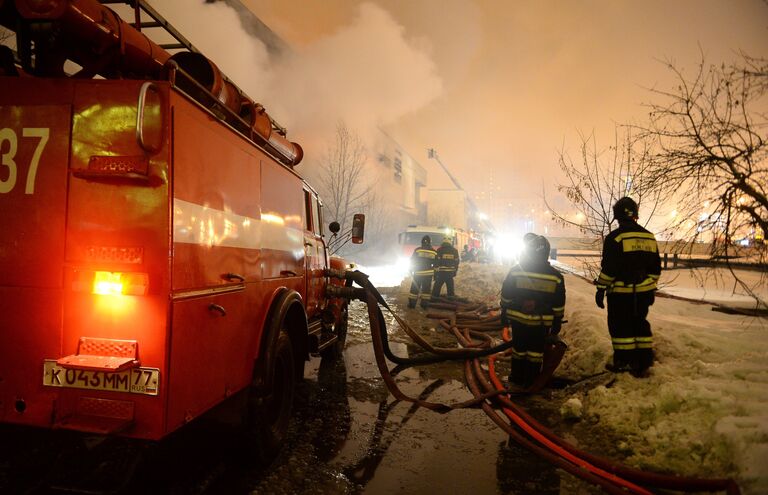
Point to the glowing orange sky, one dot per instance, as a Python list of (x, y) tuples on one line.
[(520, 79)]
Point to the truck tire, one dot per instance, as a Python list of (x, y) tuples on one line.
[(269, 415), (336, 351)]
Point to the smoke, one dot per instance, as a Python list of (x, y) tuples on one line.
[(366, 74), (215, 29)]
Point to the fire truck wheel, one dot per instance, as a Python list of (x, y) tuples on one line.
[(336, 350), (270, 414)]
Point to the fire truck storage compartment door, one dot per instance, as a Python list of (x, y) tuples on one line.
[(282, 222), (34, 151), (211, 352), (216, 198), (216, 240)]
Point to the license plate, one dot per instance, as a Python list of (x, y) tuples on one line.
[(136, 380)]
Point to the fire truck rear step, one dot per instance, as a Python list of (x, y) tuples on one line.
[(100, 416), (103, 355)]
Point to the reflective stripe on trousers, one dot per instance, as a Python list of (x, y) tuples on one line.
[(628, 343)]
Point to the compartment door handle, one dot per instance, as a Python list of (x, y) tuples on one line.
[(218, 309)]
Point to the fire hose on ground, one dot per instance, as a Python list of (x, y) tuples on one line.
[(466, 322)]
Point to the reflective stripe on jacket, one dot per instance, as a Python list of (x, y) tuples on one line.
[(423, 261), (447, 260), (533, 294), (631, 261)]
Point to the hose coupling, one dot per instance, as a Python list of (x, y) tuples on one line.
[(355, 276), (336, 273), (346, 292)]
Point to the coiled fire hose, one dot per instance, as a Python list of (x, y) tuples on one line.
[(612, 477)]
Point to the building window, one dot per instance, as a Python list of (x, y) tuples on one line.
[(398, 170)]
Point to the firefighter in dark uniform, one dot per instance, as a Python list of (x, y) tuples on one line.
[(629, 272), (446, 266), (533, 304), (422, 269)]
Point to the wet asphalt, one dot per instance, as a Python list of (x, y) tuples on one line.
[(349, 436), (352, 437)]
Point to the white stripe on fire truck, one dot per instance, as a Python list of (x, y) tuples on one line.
[(203, 225)]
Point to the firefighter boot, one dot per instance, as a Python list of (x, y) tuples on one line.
[(532, 370), (412, 300), (644, 362), (425, 300), (619, 367), (517, 373)]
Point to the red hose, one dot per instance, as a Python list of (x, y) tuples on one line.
[(614, 478), (526, 443), (631, 487), (653, 479)]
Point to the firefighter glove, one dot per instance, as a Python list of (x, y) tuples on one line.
[(599, 296)]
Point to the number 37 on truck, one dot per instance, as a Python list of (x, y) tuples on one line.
[(159, 253)]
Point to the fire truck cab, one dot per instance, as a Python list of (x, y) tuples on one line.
[(410, 239), (158, 251)]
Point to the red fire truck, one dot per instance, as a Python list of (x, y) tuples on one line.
[(411, 238), (158, 251)]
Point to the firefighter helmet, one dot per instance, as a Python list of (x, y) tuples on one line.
[(625, 209), (448, 240), (529, 237), (538, 248), (426, 241)]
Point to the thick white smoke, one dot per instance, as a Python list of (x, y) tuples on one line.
[(215, 29), (367, 73)]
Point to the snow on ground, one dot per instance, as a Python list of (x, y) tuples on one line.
[(704, 409), (713, 285), (716, 285)]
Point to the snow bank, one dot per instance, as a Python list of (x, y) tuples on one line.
[(704, 409), (474, 281)]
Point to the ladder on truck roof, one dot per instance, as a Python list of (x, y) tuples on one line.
[(95, 47), (158, 21), (139, 7)]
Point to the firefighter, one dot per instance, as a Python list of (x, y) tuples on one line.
[(629, 272), (422, 269), (533, 304), (446, 266), (466, 254)]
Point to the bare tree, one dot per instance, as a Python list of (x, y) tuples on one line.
[(342, 176), (711, 155), (347, 187), (597, 179), (711, 144)]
